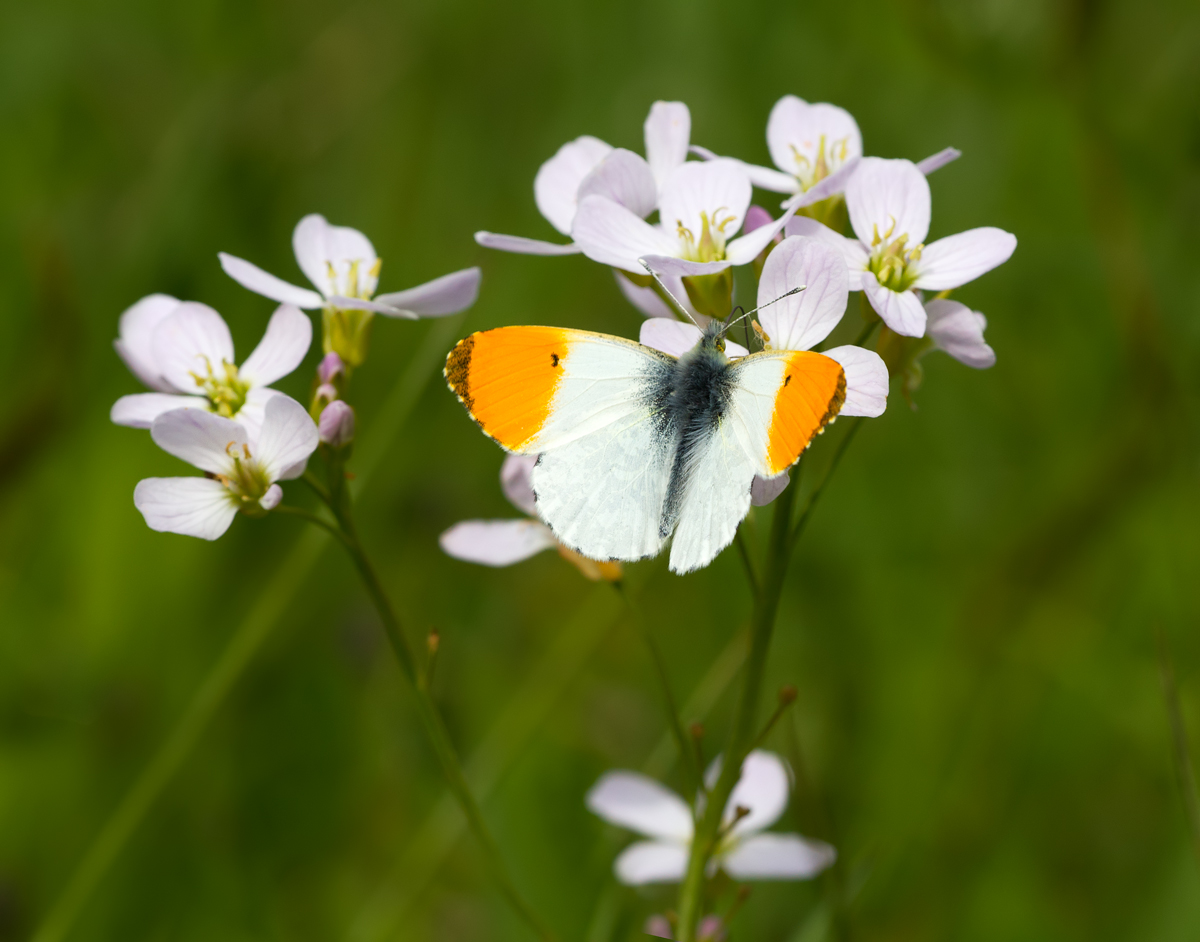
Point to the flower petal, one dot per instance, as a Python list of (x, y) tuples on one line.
[(320, 246), (141, 409), (767, 178), (191, 506), (651, 862), (612, 235), (888, 196), (797, 131), (288, 437), (668, 129), (633, 801), (271, 499), (556, 185), (939, 160), (764, 490), (249, 275), (802, 320), (191, 341), (645, 300), (524, 246), (496, 542), (200, 438), (670, 336), (360, 304), (517, 483), (866, 380), (743, 250), (833, 184), (763, 788), (446, 295), (253, 412), (852, 250), (135, 341), (900, 310), (958, 330), (718, 188), (282, 349), (957, 259), (681, 267), (778, 857), (624, 177)]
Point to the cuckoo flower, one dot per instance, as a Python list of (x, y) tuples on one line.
[(889, 206), (183, 351), (956, 329), (342, 265), (745, 851), (505, 542), (588, 166), (241, 470)]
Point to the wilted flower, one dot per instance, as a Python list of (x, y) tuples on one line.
[(241, 470), (504, 542), (889, 206), (184, 351), (744, 850)]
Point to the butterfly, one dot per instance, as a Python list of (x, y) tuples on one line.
[(637, 445)]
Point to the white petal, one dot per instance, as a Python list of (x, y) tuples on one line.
[(351, 303), (796, 131), (282, 349), (888, 196), (191, 506), (517, 483), (496, 542), (682, 268), (743, 250), (135, 341), (900, 310), (668, 129), (191, 340), (557, 181), (253, 412), (288, 437), (641, 804), (271, 499), (853, 251), (831, 185), (866, 380), (734, 350), (651, 862), (764, 490), (141, 409), (624, 177), (645, 300), (524, 246), (251, 276), (939, 160), (763, 788), (777, 857), (766, 178), (200, 438), (718, 188), (803, 320), (446, 295), (669, 336), (958, 330), (318, 245), (612, 235), (957, 259)]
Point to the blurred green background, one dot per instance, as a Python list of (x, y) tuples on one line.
[(970, 618)]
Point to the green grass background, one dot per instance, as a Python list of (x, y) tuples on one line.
[(970, 618)]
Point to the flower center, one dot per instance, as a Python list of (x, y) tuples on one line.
[(811, 172), (892, 260), (225, 391), (710, 246), (354, 280), (248, 482)]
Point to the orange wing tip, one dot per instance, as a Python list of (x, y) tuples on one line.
[(804, 409)]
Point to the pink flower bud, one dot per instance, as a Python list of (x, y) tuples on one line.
[(337, 424), (711, 929), (756, 218), (330, 368), (327, 392), (658, 927)]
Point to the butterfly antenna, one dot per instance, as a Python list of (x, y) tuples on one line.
[(653, 274), (786, 294)]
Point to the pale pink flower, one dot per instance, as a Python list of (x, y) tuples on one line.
[(956, 329)]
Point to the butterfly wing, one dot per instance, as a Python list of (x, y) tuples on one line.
[(595, 408), (778, 403)]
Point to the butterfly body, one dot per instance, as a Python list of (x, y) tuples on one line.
[(637, 445)]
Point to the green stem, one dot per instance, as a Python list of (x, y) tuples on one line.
[(435, 727), (815, 496), (687, 754), (691, 894), (865, 335), (744, 552), (311, 518)]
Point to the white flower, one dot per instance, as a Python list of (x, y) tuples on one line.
[(744, 852), (889, 206), (342, 265), (588, 166), (505, 542), (956, 329), (241, 470), (184, 351)]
